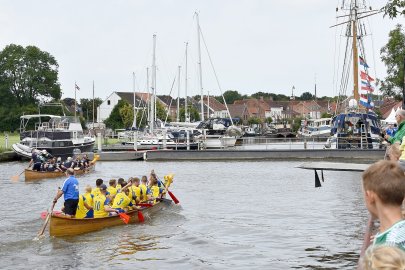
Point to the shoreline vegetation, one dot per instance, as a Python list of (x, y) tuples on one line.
[(6, 143)]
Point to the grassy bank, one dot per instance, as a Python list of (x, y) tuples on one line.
[(12, 138)]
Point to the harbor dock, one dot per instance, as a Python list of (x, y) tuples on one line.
[(285, 154)]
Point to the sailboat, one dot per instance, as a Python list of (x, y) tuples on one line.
[(355, 124), (217, 132)]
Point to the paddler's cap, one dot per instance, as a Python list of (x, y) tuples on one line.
[(103, 187), (44, 151)]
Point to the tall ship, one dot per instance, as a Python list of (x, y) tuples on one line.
[(355, 125), (58, 135)]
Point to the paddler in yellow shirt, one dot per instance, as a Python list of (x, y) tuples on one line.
[(100, 204), (85, 205), (154, 190), (121, 200), (136, 191), (144, 188), (96, 190), (112, 189), (120, 184)]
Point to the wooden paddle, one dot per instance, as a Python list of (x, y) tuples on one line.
[(41, 232), (15, 178)]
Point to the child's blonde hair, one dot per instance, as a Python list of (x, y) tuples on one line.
[(384, 258), (87, 188), (387, 180)]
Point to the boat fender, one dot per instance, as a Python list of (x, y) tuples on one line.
[(145, 156)]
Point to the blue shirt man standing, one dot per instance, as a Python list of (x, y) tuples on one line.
[(70, 191)]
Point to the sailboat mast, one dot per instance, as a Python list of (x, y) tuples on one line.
[(185, 89), (199, 67), (178, 96), (93, 105), (148, 89), (133, 86), (152, 104), (355, 53)]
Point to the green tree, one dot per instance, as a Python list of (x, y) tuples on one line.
[(161, 112), (394, 8), (326, 115), (295, 123), (393, 54), (87, 108), (269, 120), (306, 96), (254, 120), (194, 115), (279, 97), (259, 94), (127, 115), (230, 96), (115, 121), (28, 75)]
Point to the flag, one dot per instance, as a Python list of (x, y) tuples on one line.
[(363, 63), (77, 87), (365, 76), (365, 85)]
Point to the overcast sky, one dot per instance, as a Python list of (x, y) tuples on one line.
[(255, 45)]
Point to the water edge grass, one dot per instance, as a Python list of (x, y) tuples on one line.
[(7, 140)]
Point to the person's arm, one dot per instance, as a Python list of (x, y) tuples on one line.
[(127, 186), (107, 208), (87, 206), (58, 195)]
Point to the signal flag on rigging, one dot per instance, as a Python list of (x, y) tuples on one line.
[(363, 63)]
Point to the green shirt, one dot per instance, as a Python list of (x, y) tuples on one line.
[(394, 236), (399, 134)]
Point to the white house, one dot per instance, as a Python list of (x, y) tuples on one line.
[(105, 108)]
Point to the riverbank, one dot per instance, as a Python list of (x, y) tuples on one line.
[(9, 156)]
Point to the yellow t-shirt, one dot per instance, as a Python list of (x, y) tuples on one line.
[(155, 191), (112, 190), (121, 201), (89, 198), (143, 189), (136, 193), (99, 202), (96, 191), (81, 210)]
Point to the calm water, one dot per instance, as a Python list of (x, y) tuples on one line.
[(232, 215)]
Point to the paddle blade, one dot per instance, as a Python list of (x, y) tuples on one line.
[(140, 217), (317, 181), (173, 197), (15, 178), (124, 217), (45, 213)]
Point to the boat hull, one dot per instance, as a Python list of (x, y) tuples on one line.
[(63, 226), (35, 175), (26, 151)]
